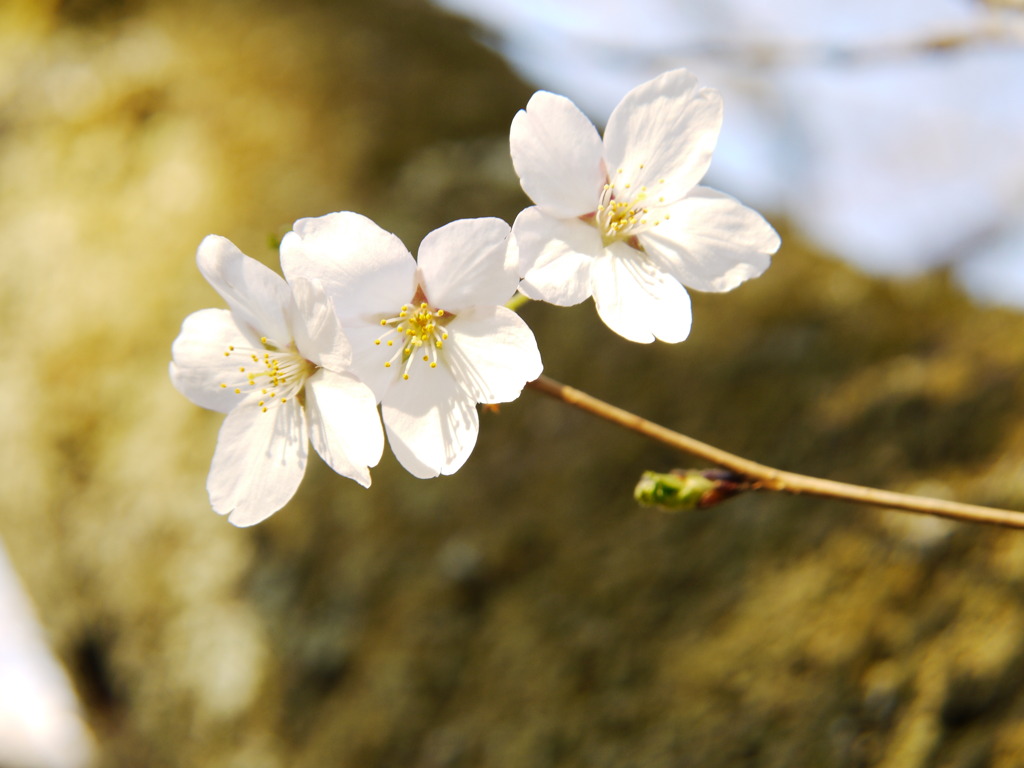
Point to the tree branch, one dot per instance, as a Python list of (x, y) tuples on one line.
[(764, 477)]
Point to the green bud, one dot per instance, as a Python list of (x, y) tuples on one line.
[(686, 490), (675, 492)]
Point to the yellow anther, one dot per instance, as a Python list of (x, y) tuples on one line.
[(241, 370), (425, 358), (227, 354), (440, 313), (405, 376), (433, 365), (224, 386), (263, 339), (261, 402), (238, 391), (264, 410), (387, 365), (391, 343), (231, 348), (383, 322)]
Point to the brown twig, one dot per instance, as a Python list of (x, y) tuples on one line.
[(769, 478)]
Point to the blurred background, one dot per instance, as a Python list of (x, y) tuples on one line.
[(524, 612), (888, 132)]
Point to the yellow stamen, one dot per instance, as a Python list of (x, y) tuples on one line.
[(418, 330)]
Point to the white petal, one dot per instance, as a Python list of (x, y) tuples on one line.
[(344, 425), (637, 300), (259, 462), (712, 242), (364, 269), (368, 358), (431, 424), (492, 353), (669, 126), (555, 256), (257, 295), (318, 336), (466, 263), (557, 151), (199, 365)]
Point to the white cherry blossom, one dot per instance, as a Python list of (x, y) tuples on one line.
[(623, 219), (431, 338), (277, 364)]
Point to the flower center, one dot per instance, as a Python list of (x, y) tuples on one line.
[(271, 375), (415, 333), (623, 211)]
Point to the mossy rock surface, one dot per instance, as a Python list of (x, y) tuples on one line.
[(522, 613)]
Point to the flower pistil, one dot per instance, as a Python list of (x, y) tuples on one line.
[(420, 332), (624, 212), (273, 374)]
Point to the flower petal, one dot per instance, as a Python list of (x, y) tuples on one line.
[(259, 462), (662, 134), (431, 424), (493, 353), (712, 242), (637, 300), (368, 358), (257, 295), (555, 256), (200, 365), (364, 269), (318, 336), (466, 264), (557, 152), (344, 425)]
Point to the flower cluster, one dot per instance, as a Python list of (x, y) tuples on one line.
[(357, 322)]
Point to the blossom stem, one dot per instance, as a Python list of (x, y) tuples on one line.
[(763, 477), (517, 301)]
